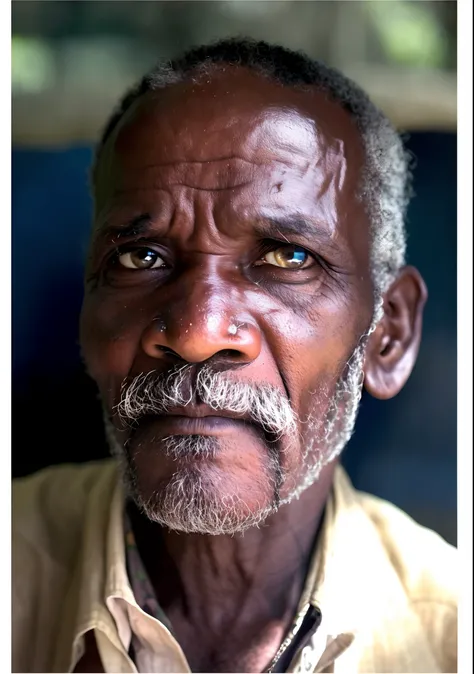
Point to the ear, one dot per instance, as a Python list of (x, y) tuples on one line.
[(392, 348)]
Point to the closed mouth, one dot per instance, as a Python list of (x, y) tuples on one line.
[(203, 411), (193, 420)]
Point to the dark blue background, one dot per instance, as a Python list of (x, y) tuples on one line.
[(403, 449)]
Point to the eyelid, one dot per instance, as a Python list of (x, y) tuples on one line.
[(124, 243), (137, 244), (269, 245)]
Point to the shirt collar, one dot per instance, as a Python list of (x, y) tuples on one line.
[(340, 581)]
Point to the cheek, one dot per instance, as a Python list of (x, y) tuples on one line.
[(109, 334), (312, 347)]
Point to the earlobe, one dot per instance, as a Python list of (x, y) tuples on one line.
[(392, 348)]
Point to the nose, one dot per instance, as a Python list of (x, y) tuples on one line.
[(200, 324)]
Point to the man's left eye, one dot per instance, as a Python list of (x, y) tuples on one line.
[(287, 257)]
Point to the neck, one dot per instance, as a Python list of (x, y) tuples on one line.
[(247, 582)]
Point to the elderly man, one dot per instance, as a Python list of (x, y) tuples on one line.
[(245, 279)]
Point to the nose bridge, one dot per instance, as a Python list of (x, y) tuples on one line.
[(201, 295), (203, 315)]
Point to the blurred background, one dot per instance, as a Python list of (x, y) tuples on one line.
[(71, 61)]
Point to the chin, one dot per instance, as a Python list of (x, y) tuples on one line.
[(203, 484), (197, 500)]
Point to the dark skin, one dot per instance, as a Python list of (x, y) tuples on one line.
[(219, 180)]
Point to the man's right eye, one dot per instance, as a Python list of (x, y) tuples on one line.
[(141, 258)]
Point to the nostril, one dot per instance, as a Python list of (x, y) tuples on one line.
[(167, 351), (231, 353)]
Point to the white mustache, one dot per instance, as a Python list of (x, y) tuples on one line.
[(154, 393)]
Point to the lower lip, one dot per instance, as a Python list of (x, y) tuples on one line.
[(180, 425)]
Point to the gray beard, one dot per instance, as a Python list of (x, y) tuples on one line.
[(191, 501)]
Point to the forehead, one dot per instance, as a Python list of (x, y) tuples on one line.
[(235, 114), (245, 144)]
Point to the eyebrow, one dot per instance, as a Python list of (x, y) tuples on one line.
[(273, 227), (294, 225), (135, 227)]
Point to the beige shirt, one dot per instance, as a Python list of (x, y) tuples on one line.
[(386, 587)]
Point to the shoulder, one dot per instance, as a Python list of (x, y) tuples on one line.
[(427, 568), (49, 507), (51, 512), (425, 563)]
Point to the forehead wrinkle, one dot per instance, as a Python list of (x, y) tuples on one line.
[(178, 163), (282, 139), (252, 163), (159, 188), (313, 151), (201, 175), (207, 228)]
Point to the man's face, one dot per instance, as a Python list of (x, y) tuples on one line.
[(228, 287)]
